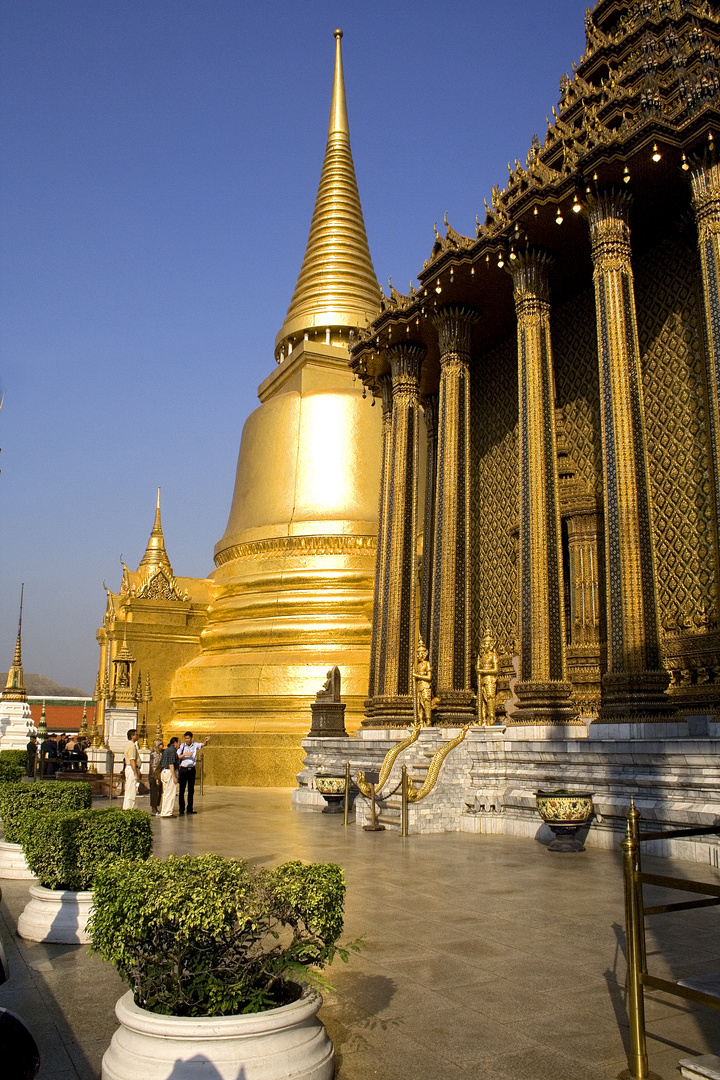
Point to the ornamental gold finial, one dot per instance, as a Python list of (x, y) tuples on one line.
[(337, 288), (155, 554)]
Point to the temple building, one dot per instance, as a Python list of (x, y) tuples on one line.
[(242, 654), (559, 372), (16, 723)]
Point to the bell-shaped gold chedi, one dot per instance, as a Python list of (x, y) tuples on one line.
[(292, 588)]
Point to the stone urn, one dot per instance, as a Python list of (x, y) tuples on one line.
[(289, 1041), (12, 862), (565, 812), (57, 915), (332, 789)]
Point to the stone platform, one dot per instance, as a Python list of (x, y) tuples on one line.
[(487, 784)]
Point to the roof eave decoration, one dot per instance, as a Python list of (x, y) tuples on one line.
[(660, 72)]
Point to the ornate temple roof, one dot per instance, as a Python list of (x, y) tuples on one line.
[(337, 287), (642, 103)]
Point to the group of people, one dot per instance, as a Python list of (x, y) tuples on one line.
[(57, 753), (172, 773)]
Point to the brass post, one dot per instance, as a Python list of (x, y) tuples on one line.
[(346, 800), (404, 802), (110, 759), (202, 774), (633, 932)]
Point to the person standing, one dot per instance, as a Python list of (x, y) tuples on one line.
[(48, 755), (155, 777), (32, 749), (169, 777), (187, 756), (132, 769)]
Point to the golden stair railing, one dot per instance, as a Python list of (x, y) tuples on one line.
[(416, 794), (388, 762)]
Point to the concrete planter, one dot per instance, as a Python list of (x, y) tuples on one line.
[(286, 1042), (58, 915), (12, 862)]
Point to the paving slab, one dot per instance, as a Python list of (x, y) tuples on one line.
[(487, 956)]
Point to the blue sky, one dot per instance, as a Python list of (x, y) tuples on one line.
[(159, 165)]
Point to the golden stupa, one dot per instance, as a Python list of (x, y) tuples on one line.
[(293, 579)]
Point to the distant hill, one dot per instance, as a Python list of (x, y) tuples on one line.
[(37, 685)]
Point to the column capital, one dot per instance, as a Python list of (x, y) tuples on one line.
[(405, 361), (385, 388), (530, 271), (454, 324), (608, 214), (430, 411), (705, 186)]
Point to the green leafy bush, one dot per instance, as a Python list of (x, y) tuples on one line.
[(42, 795), (207, 936), (10, 773), (13, 757), (65, 848)]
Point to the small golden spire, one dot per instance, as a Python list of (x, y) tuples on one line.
[(337, 289), (155, 554), (15, 684)]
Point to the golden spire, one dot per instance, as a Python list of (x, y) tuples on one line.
[(337, 288), (15, 685), (155, 554)]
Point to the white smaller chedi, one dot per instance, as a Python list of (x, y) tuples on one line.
[(16, 725)]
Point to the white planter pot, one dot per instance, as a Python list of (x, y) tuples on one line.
[(288, 1042), (12, 862), (56, 915)]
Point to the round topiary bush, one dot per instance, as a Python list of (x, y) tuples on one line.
[(10, 773), (16, 798), (66, 848), (13, 757), (208, 936)]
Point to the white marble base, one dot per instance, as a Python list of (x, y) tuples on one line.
[(16, 725), (706, 1067), (306, 800)]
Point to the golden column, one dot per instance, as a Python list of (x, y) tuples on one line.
[(396, 646), (543, 688), (635, 680), (450, 638), (705, 180), (383, 548), (430, 411)]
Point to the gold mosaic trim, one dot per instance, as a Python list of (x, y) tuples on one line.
[(298, 545)]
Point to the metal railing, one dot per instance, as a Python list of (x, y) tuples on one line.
[(635, 913)]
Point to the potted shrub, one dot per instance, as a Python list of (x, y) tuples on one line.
[(15, 798), (64, 850), (222, 961), (9, 772)]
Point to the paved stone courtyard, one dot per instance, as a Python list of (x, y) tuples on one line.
[(487, 956)]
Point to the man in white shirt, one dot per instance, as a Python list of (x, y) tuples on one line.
[(132, 769), (187, 756)]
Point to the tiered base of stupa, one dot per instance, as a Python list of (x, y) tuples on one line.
[(16, 725)]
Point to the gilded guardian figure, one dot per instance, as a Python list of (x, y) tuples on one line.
[(487, 670), (422, 680)]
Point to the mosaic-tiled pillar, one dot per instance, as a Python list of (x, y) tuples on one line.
[(635, 680), (543, 689), (383, 540), (450, 638), (705, 179), (398, 601), (430, 411)]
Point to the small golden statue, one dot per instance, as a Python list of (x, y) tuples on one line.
[(422, 684), (487, 670)]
